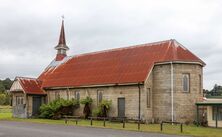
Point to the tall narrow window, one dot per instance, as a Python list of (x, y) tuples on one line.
[(77, 95), (148, 98), (100, 97), (186, 82), (200, 83)]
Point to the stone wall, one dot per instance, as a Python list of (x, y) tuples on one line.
[(130, 93), (184, 102)]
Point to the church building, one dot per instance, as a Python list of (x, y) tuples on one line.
[(153, 81)]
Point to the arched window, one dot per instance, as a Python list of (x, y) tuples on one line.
[(186, 82), (77, 96), (148, 98), (100, 98)]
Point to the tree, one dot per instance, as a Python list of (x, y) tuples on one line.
[(103, 108), (87, 102), (4, 95), (2, 87), (7, 83)]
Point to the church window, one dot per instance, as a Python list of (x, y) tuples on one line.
[(100, 97), (186, 82), (148, 98), (77, 95)]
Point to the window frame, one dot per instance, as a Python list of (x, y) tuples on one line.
[(200, 84), (214, 111), (77, 95), (188, 83), (148, 98), (100, 97), (19, 100)]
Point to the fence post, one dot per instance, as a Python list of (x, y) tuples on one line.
[(91, 121), (104, 122), (66, 120), (161, 126), (123, 123), (76, 121), (139, 124), (181, 127)]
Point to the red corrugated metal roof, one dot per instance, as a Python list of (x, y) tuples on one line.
[(31, 85), (116, 66)]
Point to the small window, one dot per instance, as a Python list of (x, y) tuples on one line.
[(100, 97), (186, 82), (219, 115), (77, 95), (19, 100), (148, 98)]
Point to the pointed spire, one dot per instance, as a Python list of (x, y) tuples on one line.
[(61, 47), (62, 39)]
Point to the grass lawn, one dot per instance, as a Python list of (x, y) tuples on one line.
[(168, 129)]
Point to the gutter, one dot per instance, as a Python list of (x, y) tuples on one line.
[(172, 90), (91, 86)]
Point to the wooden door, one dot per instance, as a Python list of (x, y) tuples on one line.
[(36, 103), (121, 107)]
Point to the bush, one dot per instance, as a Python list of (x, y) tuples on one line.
[(102, 109), (57, 108), (87, 102), (2, 99)]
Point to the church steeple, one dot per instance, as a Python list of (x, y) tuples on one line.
[(61, 47)]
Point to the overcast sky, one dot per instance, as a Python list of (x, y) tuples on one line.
[(29, 30)]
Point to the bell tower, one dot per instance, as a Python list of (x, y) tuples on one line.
[(61, 47)]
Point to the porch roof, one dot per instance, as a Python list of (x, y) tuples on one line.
[(31, 85), (210, 102)]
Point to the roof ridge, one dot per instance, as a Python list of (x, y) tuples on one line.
[(26, 77), (122, 48)]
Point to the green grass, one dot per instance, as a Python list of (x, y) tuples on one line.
[(5, 109), (167, 129)]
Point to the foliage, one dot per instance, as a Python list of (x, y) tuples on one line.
[(216, 91), (4, 95), (5, 85), (103, 108), (57, 108), (87, 102), (4, 99)]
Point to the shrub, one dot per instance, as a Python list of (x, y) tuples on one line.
[(4, 98), (102, 109), (57, 108), (87, 102)]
